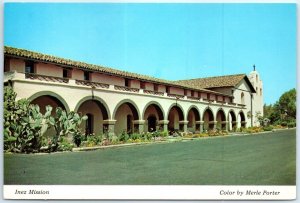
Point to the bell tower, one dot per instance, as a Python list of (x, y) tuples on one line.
[(257, 99)]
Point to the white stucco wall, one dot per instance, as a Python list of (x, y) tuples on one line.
[(243, 87), (71, 94)]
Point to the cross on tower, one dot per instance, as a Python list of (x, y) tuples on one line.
[(254, 67)]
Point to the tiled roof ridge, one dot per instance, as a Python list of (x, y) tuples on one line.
[(87, 66), (14, 50), (213, 77)]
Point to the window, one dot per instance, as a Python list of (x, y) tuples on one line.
[(185, 92), (168, 90), (256, 91), (6, 64), (260, 91), (66, 73), (256, 78), (155, 87), (126, 82), (29, 67), (86, 75), (143, 86), (192, 93), (242, 98)]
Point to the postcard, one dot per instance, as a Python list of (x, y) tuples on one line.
[(149, 101)]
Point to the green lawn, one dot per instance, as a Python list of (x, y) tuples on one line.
[(264, 159)]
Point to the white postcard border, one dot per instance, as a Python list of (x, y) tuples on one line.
[(141, 192)]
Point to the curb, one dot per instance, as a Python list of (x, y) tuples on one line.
[(115, 146), (171, 141)]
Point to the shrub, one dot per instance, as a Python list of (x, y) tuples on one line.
[(164, 134), (284, 123), (197, 135), (91, 140), (137, 140), (77, 138), (213, 133), (124, 136), (253, 129), (241, 129), (224, 132), (291, 124), (99, 138), (135, 136), (193, 135), (203, 135), (64, 145), (114, 139), (268, 128), (148, 136), (189, 136), (156, 134), (278, 127)]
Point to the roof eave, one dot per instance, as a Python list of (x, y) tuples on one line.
[(9, 54)]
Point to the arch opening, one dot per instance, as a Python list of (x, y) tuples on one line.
[(208, 119), (43, 101), (125, 115), (152, 115), (232, 121), (174, 117), (221, 120), (192, 117), (96, 113), (242, 119)]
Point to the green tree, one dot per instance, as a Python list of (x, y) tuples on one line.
[(287, 104), (284, 110), (268, 109)]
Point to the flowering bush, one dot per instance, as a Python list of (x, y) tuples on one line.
[(268, 128)]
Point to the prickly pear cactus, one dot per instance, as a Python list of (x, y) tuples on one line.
[(24, 124), (64, 124)]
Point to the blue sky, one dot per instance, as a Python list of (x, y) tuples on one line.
[(170, 41)]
